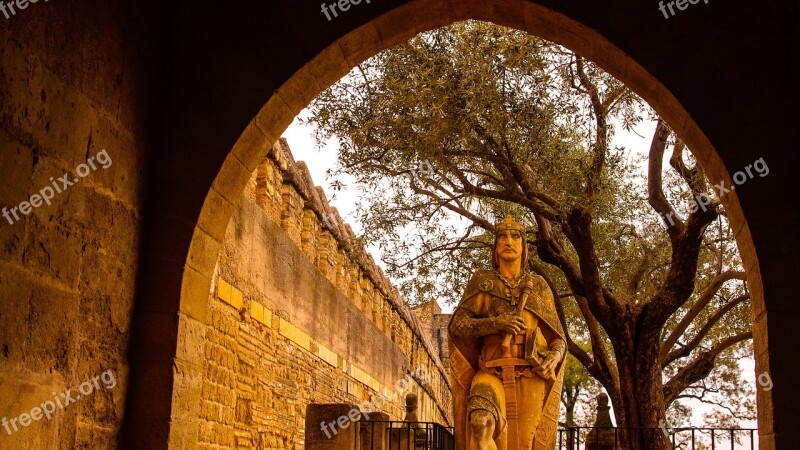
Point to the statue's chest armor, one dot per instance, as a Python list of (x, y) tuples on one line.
[(504, 298), (501, 291), (521, 344), (499, 305)]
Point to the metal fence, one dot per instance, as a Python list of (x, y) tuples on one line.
[(395, 435), (602, 438)]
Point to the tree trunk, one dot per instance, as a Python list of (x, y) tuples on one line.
[(639, 410)]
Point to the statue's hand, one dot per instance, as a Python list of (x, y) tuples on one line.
[(509, 323), (550, 362)]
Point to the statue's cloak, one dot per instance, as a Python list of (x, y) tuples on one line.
[(464, 354)]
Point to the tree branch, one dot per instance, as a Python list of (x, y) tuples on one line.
[(655, 189), (551, 251), (698, 338), (602, 359), (606, 306), (701, 398), (460, 210), (699, 368), (693, 177), (701, 303), (510, 197), (601, 131), (637, 276)]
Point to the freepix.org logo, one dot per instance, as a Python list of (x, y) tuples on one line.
[(62, 400), (11, 7), (739, 178), (402, 386), (681, 5), (330, 10), (47, 193)]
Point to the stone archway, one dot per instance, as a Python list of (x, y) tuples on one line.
[(335, 61)]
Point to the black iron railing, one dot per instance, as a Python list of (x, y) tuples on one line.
[(591, 438), (394, 435)]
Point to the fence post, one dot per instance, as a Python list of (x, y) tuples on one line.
[(373, 426)]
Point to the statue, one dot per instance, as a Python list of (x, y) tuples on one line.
[(507, 350), (420, 433)]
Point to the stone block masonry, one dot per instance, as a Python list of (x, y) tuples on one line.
[(299, 316), (434, 325), (48, 192), (68, 269)]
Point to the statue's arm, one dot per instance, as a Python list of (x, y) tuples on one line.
[(557, 347), (467, 324), (555, 354)]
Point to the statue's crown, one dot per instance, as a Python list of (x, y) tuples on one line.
[(509, 224)]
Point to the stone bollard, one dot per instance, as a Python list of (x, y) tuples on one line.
[(331, 426), (413, 436), (411, 407), (602, 437)]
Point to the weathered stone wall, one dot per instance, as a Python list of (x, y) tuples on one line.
[(70, 86), (302, 315)]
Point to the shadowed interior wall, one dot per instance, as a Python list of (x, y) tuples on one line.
[(74, 80)]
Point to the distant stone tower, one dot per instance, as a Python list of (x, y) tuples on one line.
[(434, 325)]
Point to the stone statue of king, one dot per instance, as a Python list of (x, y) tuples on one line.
[(507, 350)]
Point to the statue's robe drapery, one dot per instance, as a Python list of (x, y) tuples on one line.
[(485, 296)]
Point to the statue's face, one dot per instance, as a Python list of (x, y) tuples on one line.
[(509, 246)]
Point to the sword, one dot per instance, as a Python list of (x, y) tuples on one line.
[(523, 299), (508, 366)]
